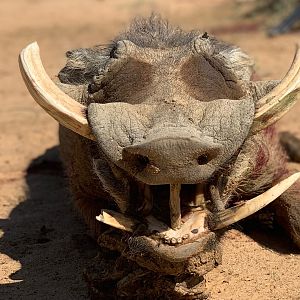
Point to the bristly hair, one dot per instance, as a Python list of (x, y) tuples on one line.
[(155, 32)]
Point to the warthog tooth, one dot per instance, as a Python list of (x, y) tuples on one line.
[(173, 241), (185, 236), (117, 220), (199, 201), (196, 223), (199, 197), (167, 240), (175, 211)]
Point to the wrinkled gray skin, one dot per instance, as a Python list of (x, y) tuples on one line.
[(165, 107), (168, 119)]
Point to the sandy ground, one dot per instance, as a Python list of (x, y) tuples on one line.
[(43, 244)]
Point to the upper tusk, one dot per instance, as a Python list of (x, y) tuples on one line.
[(59, 105), (278, 102), (239, 212)]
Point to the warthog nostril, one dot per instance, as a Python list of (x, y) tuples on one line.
[(203, 159), (171, 158), (142, 161)]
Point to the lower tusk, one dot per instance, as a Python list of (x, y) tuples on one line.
[(117, 220), (239, 212), (175, 211)]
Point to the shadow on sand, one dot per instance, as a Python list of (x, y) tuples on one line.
[(45, 235)]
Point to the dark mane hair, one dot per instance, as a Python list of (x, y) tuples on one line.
[(155, 32)]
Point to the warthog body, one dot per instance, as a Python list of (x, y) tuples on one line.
[(169, 110)]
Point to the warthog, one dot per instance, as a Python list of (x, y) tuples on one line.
[(166, 140)]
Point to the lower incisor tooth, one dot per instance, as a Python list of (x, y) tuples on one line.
[(191, 228), (186, 236), (173, 241)]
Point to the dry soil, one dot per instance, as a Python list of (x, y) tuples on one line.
[(44, 246)]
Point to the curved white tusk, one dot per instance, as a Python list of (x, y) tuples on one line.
[(55, 102), (117, 220), (239, 212), (278, 102)]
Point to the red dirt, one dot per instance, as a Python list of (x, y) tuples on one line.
[(44, 246)]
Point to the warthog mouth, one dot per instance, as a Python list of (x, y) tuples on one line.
[(177, 222), (171, 214), (167, 230)]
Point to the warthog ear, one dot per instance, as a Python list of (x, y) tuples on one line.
[(83, 64), (275, 104), (53, 100)]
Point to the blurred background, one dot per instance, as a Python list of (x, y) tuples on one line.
[(44, 246)]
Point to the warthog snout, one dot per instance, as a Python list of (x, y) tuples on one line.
[(175, 158)]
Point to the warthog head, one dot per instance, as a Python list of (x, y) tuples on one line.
[(169, 112)]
